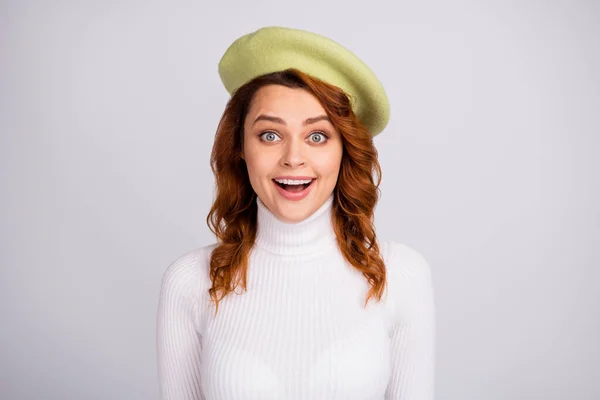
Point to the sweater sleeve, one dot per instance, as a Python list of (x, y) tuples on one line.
[(178, 342), (413, 332)]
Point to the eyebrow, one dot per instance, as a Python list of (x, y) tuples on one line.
[(308, 121)]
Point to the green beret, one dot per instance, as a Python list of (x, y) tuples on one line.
[(275, 48)]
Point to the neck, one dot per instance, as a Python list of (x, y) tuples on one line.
[(308, 236)]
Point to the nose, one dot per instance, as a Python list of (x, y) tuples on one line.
[(293, 154)]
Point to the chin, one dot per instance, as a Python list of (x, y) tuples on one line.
[(294, 212)]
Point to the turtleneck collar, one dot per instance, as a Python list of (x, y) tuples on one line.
[(304, 237)]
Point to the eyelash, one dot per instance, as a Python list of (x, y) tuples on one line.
[(312, 133)]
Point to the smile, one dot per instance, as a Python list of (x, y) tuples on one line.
[(293, 189)]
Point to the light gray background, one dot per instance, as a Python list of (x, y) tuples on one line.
[(107, 114)]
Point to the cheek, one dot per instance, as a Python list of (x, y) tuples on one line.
[(329, 166), (259, 166)]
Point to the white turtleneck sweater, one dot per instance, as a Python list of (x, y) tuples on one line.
[(301, 330)]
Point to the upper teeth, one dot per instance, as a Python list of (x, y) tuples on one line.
[(293, 181)]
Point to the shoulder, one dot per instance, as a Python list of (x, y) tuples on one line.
[(402, 259), (409, 279), (187, 274)]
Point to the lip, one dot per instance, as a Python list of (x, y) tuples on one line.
[(293, 196), (294, 177)]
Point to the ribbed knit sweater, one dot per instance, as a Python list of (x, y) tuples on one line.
[(301, 330)]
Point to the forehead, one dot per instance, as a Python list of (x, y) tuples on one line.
[(285, 102)]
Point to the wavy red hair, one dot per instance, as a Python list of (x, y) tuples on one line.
[(232, 217)]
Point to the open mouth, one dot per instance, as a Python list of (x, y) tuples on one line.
[(294, 188)]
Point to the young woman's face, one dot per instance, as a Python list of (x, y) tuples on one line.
[(292, 151)]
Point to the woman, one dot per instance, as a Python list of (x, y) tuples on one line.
[(324, 310)]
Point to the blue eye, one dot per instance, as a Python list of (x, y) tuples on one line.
[(269, 136), (318, 137)]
